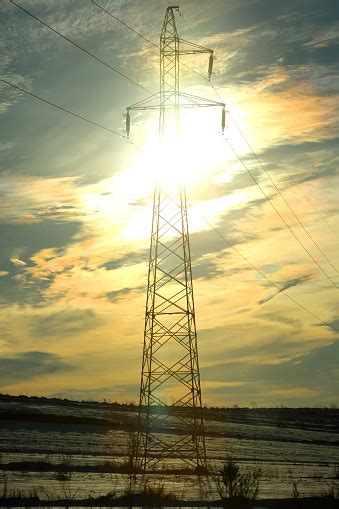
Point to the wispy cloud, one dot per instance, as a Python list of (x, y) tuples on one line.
[(17, 262), (285, 285), (30, 365), (66, 322)]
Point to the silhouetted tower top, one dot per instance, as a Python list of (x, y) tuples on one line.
[(170, 99), (169, 68)]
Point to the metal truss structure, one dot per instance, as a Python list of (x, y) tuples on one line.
[(170, 426)]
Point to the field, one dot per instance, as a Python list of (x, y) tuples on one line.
[(63, 449)]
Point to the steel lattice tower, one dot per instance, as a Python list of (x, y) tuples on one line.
[(170, 425)]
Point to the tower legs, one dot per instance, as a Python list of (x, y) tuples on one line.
[(170, 426)]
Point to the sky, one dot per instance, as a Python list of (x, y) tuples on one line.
[(76, 200)]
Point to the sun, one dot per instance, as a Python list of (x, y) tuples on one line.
[(197, 159), (175, 160)]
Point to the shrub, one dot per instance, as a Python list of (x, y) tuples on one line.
[(232, 482)]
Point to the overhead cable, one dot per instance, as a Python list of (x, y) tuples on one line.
[(120, 135), (291, 176), (80, 47), (280, 290), (63, 109), (125, 24), (243, 136), (218, 95), (280, 215), (283, 197), (143, 36), (267, 174), (317, 211), (262, 274)]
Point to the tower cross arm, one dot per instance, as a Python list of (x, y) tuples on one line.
[(185, 101), (190, 48)]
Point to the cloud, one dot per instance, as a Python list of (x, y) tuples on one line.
[(334, 325), (126, 259), (311, 160), (115, 295), (206, 269), (288, 381), (325, 38), (33, 237), (17, 262), (64, 323), (27, 199), (206, 242), (285, 33), (30, 365), (305, 114), (23, 241), (285, 285)]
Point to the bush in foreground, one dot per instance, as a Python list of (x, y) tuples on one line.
[(234, 483)]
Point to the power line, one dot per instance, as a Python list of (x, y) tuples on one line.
[(276, 187), (121, 136), (279, 214), (80, 47), (211, 84), (288, 172), (64, 109), (261, 273), (242, 135), (282, 196), (118, 134), (280, 290), (310, 201), (215, 90), (279, 192), (125, 24), (143, 36)]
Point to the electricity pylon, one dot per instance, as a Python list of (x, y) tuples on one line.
[(170, 425)]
